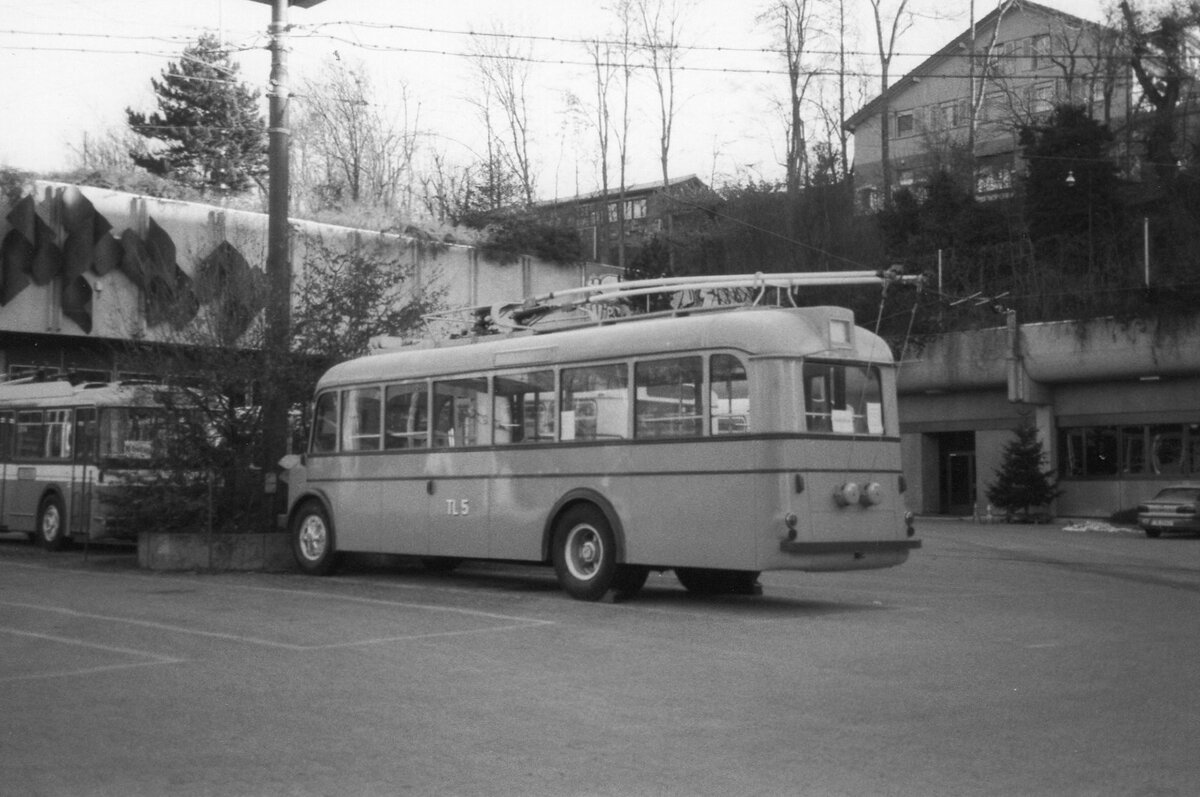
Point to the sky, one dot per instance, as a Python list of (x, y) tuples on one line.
[(70, 68)]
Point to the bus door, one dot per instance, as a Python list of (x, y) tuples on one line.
[(457, 483), (83, 482), (26, 474), (7, 431)]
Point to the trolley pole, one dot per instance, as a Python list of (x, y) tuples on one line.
[(279, 265)]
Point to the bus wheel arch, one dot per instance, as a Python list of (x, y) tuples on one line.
[(573, 499), (51, 529), (313, 538)]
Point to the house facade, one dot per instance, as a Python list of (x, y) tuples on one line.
[(974, 94), (634, 216)]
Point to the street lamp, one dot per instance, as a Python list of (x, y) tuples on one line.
[(279, 267)]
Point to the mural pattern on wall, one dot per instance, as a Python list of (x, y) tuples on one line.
[(80, 239)]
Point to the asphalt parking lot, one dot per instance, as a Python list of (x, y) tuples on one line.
[(999, 660)]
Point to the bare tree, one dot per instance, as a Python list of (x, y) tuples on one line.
[(107, 151), (349, 151), (891, 21), (503, 71), (661, 24)]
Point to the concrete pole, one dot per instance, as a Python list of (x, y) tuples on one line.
[(279, 265)]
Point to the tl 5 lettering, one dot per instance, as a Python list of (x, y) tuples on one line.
[(458, 506)]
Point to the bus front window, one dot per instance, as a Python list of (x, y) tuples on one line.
[(842, 398), (135, 434)]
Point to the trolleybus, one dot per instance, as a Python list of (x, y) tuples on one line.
[(65, 448), (718, 443)]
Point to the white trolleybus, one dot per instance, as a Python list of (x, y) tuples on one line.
[(717, 443), (64, 448)]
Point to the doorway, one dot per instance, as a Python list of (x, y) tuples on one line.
[(956, 473)]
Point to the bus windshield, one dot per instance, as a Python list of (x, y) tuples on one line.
[(133, 435), (842, 398)]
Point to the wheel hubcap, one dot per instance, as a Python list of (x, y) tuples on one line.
[(585, 551), (312, 539)]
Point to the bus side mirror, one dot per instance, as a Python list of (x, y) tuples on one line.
[(290, 461)]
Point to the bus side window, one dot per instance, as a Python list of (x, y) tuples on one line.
[(8, 432), (86, 434), (325, 423), (669, 398), (595, 402), (460, 412), (524, 410), (406, 416), (58, 434), (361, 419), (730, 395), (31, 435)]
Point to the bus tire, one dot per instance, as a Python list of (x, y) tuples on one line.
[(313, 542), (584, 553), (52, 531)]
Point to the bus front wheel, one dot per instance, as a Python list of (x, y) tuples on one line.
[(312, 540), (51, 526), (585, 553)]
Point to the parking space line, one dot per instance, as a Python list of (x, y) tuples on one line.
[(155, 659)]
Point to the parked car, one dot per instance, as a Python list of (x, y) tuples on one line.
[(1175, 508)]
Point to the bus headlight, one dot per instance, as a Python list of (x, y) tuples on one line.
[(847, 494), (909, 519), (871, 494), (790, 520)]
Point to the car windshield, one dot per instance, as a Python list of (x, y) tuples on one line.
[(1179, 494)]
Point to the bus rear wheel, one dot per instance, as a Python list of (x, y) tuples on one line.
[(708, 581), (51, 527), (312, 540), (584, 553)]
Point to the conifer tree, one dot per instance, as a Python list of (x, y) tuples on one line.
[(1020, 481), (211, 134)]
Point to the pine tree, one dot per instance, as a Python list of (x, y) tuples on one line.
[(1020, 481), (214, 137)]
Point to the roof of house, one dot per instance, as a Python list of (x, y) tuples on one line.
[(639, 188), (956, 45)]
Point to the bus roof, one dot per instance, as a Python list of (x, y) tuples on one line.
[(59, 393), (754, 331)]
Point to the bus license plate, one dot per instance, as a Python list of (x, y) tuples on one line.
[(1161, 522)]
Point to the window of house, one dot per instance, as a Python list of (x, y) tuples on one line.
[(1039, 49), (904, 123)]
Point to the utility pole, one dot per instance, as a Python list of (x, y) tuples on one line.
[(279, 264)]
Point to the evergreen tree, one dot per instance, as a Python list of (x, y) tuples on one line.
[(1020, 482), (210, 132)]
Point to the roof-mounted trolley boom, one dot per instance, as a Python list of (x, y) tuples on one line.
[(594, 303)]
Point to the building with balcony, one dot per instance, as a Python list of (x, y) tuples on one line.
[(966, 103)]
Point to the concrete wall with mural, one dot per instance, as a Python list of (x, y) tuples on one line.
[(93, 264)]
